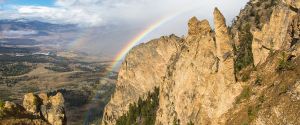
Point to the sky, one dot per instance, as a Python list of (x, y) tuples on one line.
[(110, 24), (30, 2)]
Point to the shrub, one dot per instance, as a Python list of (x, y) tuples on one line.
[(261, 98), (244, 51), (258, 80), (176, 121), (59, 68), (245, 94), (245, 77), (245, 123), (284, 63), (14, 69), (274, 2), (283, 89), (257, 19), (258, 4), (252, 112), (1, 104), (190, 123), (2, 112)]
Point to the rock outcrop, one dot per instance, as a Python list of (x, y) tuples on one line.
[(140, 72), (53, 110), (293, 3), (198, 27), (200, 85), (279, 34), (224, 46), (36, 110), (202, 79), (30, 103)]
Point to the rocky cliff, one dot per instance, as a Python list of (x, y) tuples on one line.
[(243, 74), (36, 110), (200, 83), (140, 72), (280, 33)]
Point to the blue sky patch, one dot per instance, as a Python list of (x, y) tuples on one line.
[(31, 2)]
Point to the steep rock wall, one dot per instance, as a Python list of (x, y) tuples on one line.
[(199, 86), (197, 77), (140, 72), (277, 34)]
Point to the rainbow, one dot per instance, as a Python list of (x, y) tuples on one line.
[(131, 43), (138, 38), (134, 41), (81, 40)]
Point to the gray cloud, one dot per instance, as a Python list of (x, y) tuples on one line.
[(103, 12), (117, 21), (14, 33)]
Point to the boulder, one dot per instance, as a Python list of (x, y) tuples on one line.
[(56, 115), (57, 100), (53, 110), (44, 98), (31, 103)]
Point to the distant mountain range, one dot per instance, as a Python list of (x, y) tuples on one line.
[(24, 24), (33, 32)]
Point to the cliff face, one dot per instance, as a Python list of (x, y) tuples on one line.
[(278, 34), (199, 85), (140, 72), (270, 96), (245, 74)]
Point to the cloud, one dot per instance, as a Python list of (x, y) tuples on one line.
[(60, 15), (104, 12), (116, 22), (14, 33)]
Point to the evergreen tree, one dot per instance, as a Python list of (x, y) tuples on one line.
[(143, 112)]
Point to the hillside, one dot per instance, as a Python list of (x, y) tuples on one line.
[(85, 81), (247, 73)]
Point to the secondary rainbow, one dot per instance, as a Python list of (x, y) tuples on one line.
[(82, 39)]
